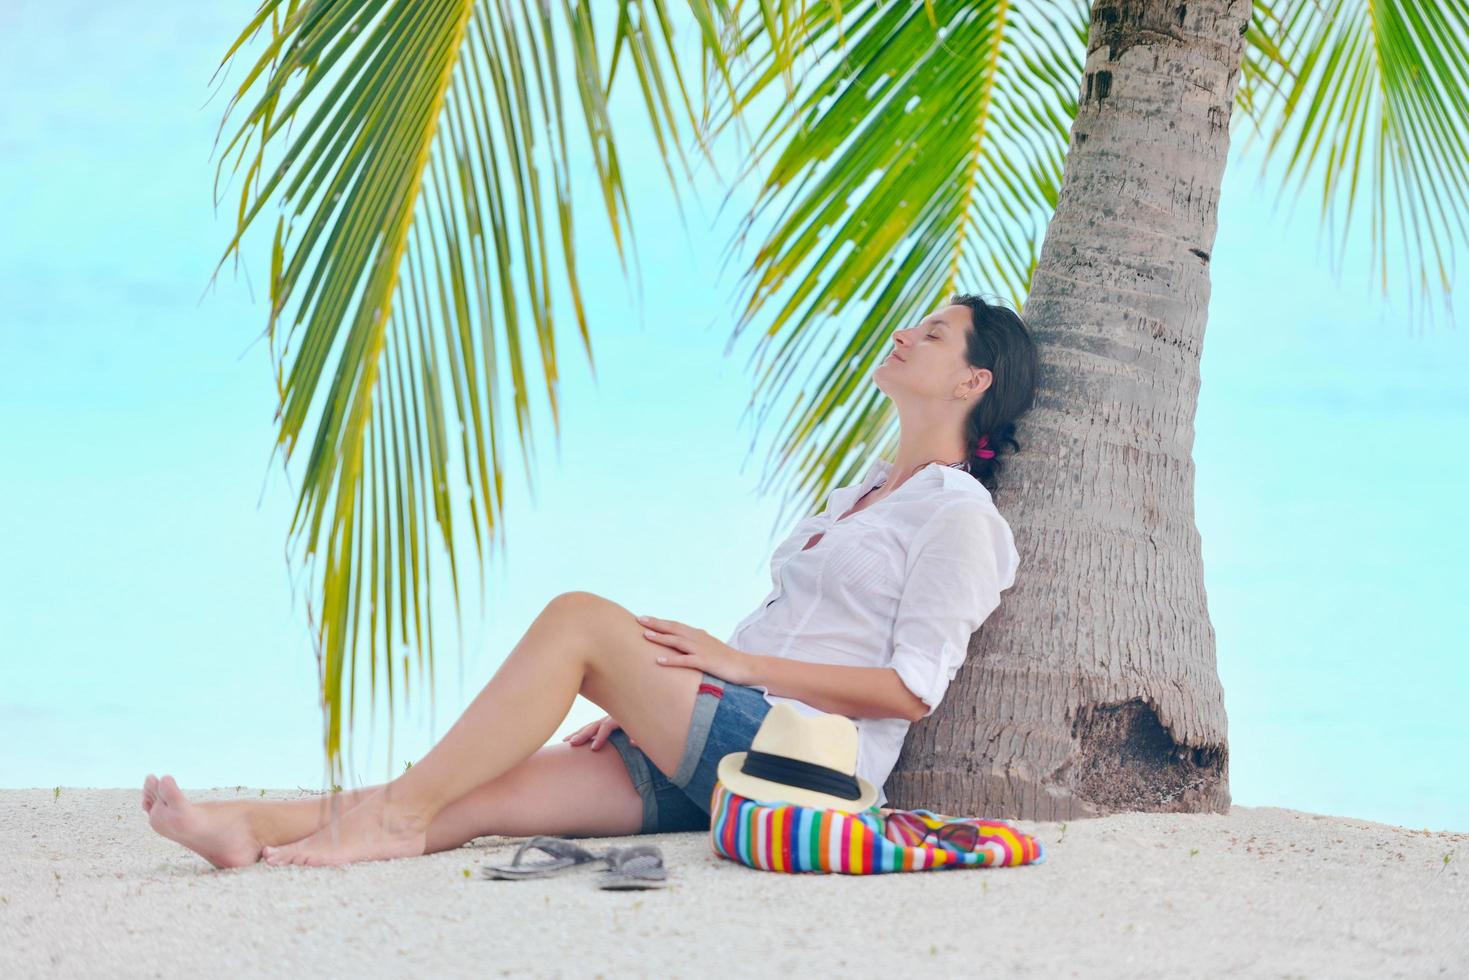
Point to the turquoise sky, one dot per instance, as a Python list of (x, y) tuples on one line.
[(146, 616)]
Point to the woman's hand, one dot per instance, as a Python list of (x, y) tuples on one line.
[(597, 731), (691, 647)]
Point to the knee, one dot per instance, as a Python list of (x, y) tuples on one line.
[(574, 597), (586, 614), (576, 606), (594, 625)]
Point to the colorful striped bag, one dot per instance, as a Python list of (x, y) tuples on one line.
[(774, 836)]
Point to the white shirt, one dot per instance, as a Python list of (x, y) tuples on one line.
[(903, 583)]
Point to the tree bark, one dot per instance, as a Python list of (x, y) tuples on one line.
[(1093, 688)]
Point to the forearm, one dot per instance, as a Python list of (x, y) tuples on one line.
[(857, 692)]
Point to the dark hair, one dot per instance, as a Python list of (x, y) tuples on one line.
[(999, 341)]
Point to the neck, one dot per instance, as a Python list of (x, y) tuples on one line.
[(919, 451)]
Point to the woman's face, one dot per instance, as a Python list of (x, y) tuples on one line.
[(928, 358)]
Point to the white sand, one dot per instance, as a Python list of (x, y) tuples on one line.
[(87, 889)]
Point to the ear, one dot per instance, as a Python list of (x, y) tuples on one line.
[(979, 381)]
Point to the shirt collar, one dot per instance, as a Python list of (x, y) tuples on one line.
[(936, 473), (841, 499), (881, 468)]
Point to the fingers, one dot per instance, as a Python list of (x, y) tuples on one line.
[(670, 626), (597, 731), (580, 735), (604, 729), (675, 641), (664, 625)]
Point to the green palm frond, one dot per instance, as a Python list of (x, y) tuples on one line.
[(926, 160), (402, 142), (1373, 91), (1258, 68)]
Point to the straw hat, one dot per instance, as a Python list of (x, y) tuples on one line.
[(808, 760)]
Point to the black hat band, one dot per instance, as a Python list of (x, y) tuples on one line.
[(803, 775)]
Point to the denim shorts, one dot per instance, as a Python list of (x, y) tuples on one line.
[(726, 718)]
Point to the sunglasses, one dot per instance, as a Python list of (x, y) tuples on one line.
[(912, 830)]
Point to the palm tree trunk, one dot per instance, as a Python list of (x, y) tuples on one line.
[(1093, 688)]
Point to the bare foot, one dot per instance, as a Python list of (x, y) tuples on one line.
[(220, 836), (373, 830)]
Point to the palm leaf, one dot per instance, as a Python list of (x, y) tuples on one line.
[(1374, 91), (925, 160), (400, 141)]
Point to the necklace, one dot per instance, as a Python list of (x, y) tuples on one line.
[(958, 465)]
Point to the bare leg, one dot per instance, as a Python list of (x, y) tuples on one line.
[(561, 789), (230, 833), (579, 643), (278, 821)]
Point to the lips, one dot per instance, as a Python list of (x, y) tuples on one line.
[(894, 356)]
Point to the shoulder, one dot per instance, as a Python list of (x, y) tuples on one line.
[(966, 516), (958, 483), (961, 497)]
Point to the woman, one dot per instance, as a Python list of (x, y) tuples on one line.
[(870, 616)]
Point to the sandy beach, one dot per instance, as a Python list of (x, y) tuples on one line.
[(87, 889)]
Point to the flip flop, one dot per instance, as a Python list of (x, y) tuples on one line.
[(564, 856), (635, 866)]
